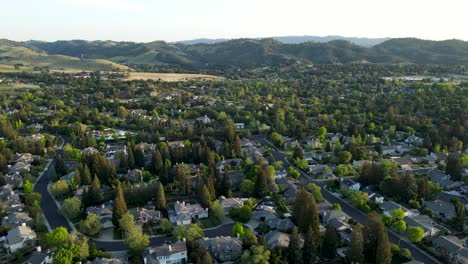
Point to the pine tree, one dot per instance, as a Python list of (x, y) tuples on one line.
[(156, 162), (305, 211), (238, 147), (130, 159), (160, 197), (311, 242), (139, 157), (86, 177), (355, 252), (226, 186), (94, 192), (261, 183), (77, 177), (119, 207), (294, 248), (205, 196), (384, 249), (330, 242)]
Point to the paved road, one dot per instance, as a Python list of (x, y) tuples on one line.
[(360, 217)]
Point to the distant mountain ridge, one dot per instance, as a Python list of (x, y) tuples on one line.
[(365, 42), (260, 52)]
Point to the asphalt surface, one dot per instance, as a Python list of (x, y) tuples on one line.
[(356, 214)]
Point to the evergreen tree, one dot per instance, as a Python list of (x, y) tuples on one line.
[(139, 157), (119, 206), (205, 196), (94, 192), (161, 197), (77, 176), (305, 211), (238, 147), (130, 159), (298, 153), (156, 162), (60, 167), (261, 183), (330, 242), (226, 186), (384, 249), (123, 164), (311, 242), (294, 248), (355, 252), (86, 176)]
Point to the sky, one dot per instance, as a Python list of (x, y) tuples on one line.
[(173, 20)]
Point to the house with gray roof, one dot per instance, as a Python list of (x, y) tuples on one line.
[(19, 237), (223, 248), (440, 209), (284, 225), (39, 257), (276, 239), (166, 254), (228, 203), (452, 247), (425, 222)]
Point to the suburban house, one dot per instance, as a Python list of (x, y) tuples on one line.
[(236, 177), (425, 222), (452, 248), (104, 212), (283, 225), (16, 218), (183, 213), (374, 197), (19, 237), (388, 207), (144, 215), (276, 239), (39, 257), (387, 150), (204, 120), (291, 190), (264, 213), (222, 164), (166, 254), (327, 215), (228, 203), (440, 209), (223, 248), (349, 184)]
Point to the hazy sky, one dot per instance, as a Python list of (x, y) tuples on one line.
[(170, 20)]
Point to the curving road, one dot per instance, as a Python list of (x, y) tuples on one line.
[(356, 214)]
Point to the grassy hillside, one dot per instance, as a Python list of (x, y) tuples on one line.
[(15, 57), (262, 52)]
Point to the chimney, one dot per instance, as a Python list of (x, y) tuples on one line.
[(23, 224), (238, 235), (145, 260), (183, 239), (170, 248), (39, 249), (102, 206)]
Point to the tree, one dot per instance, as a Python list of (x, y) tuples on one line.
[(57, 237), (237, 147), (344, 157), (415, 233), (119, 207), (298, 153), (355, 252), (133, 235), (399, 225), (217, 212), (166, 226), (256, 255), (27, 186), (305, 211), (384, 249), (33, 198), (398, 214), (316, 191), (336, 206), (293, 173), (330, 242), (139, 158), (242, 214), (277, 139), (375, 233), (94, 195), (454, 167), (238, 230), (160, 197), (294, 248), (60, 166), (81, 242), (311, 242), (66, 254), (247, 188), (60, 188), (71, 207), (261, 184), (86, 177), (91, 226), (249, 239), (156, 162), (190, 232)]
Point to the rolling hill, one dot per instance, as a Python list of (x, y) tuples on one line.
[(17, 56), (251, 52)]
